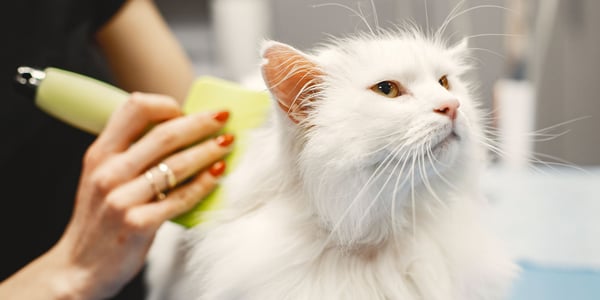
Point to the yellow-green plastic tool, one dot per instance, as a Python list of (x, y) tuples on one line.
[(248, 109), (87, 103)]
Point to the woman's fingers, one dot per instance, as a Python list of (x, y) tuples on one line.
[(183, 165), (131, 120), (188, 162), (162, 140), (169, 137), (178, 201), (123, 164)]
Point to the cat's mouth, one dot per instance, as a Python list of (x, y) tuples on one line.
[(439, 146), (445, 142)]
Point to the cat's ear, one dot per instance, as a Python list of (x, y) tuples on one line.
[(460, 49), (292, 77), (460, 53)]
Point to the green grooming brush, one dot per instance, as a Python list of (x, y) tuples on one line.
[(248, 110)]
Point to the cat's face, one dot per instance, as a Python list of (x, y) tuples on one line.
[(377, 116), (392, 98)]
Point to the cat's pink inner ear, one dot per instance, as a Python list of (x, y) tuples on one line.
[(292, 79)]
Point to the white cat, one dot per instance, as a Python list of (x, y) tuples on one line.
[(363, 184)]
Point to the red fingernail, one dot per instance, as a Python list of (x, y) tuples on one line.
[(224, 140), (221, 116), (217, 169)]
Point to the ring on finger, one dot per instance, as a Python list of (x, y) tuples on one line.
[(149, 175), (170, 179)]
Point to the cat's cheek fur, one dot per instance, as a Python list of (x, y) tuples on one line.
[(334, 156)]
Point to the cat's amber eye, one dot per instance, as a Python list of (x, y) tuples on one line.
[(444, 82), (387, 88)]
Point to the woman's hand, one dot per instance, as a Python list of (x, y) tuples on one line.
[(117, 212)]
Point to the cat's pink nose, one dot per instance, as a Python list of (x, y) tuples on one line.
[(448, 108)]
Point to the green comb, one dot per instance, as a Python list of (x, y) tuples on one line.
[(248, 109)]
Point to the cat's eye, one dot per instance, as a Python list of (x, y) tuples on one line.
[(387, 88), (443, 81)]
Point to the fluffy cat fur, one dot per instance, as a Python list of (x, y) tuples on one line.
[(346, 193)]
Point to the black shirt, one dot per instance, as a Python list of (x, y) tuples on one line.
[(40, 158)]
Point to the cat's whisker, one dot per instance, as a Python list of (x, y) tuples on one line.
[(384, 147), (493, 131), (493, 35), (467, 10), (559, 162), (427, 185), (354, 11), (542, 130), (486, 141), (533, 137), (426, 16), (393, 154), (536, 165), (489, 115), (392, 174), (409, 23), (412, 199), (431, 158), (359, 8), (495, 146), (425, 178), (395, 192), (490, 145), (439, 162), (488, 51), (378, 171), (375, 16), (376, 197), (446, 21), (387, 161)]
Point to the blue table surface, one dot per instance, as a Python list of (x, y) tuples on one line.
[(538, 282)]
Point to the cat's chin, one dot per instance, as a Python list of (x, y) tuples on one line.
[(446, 145), (444, 154)]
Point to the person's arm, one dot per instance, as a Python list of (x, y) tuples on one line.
[(115, 217), (143, 53), (47, 277)]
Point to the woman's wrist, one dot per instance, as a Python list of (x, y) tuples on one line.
[(60, 276), (69, 280), (47, 277)]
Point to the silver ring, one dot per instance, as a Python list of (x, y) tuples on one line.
[(150, 177), (169, 175)]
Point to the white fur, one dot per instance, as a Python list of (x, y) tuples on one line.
[(305, 218)]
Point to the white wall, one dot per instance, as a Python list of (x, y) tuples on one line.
[(567, 72)]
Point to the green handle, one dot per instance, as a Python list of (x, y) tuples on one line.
[(78, 100)]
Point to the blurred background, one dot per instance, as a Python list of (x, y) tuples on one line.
[(537, 67)]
